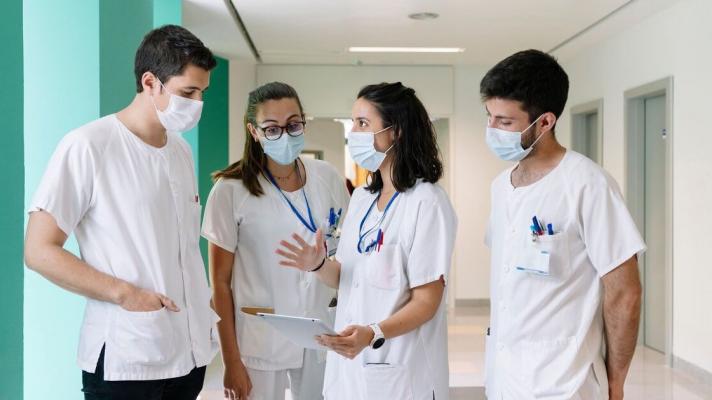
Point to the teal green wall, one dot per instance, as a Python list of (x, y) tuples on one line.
[(11, 202), (214, 132), (167, 12), (61, 69), (122, 27)]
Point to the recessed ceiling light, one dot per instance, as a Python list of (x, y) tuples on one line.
[(406, 50), (423, 16)]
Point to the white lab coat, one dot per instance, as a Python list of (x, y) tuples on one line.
[(546, 336), (419, 236), (135, 212), (251, 227)]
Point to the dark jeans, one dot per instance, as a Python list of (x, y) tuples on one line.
[(183, 388)]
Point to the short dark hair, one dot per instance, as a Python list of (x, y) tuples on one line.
[(167, 50), (416, 153), (253, 161), (531, 77)]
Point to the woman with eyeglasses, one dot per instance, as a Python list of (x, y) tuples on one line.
[(268, 194), (393, 259)]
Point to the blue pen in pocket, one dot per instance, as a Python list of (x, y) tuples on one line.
[(536, 226)]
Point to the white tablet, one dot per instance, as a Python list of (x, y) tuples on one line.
[(299, 330)]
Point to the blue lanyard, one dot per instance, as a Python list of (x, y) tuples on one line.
[(311, 226), (362, 236)]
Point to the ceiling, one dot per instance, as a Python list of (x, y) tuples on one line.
[(320, 31)]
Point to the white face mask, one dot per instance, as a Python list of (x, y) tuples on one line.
[(363, 151), (181, 115), (508, 145)]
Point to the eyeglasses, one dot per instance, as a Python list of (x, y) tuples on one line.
[(275, 132)]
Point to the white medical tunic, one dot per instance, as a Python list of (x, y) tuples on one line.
[(546, 337), (419, 234), (136, 215), (251, 227)]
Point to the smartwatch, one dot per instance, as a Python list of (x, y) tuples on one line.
[(378, 338)]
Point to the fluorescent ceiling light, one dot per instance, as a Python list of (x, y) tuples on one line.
[(405, 50), (421, 16)]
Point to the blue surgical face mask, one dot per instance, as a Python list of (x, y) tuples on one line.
[(508, 145), (363, 151), (284, 150)]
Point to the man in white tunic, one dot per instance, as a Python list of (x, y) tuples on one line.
[(124, 185), (564, 285)]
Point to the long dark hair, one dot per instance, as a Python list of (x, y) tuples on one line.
[(253, 158), (416, 154)]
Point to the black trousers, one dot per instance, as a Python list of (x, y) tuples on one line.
[(183, 388)]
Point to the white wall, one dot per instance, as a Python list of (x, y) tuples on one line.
[(474, 168), (327, 135), (330, 90), (675, 42), (242, 81)]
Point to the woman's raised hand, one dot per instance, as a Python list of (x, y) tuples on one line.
[(301, 255)]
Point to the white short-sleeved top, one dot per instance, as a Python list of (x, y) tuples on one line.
[(251, 227), (546, 334), (136, 215), (419, 234)]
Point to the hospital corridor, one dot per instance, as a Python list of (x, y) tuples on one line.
[(356, 199)]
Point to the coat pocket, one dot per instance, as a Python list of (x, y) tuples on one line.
[(144, 338), (387, 382), (385, 267), (547, 256), (547, 364), (255, 336)]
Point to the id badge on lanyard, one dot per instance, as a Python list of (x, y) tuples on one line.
[(333, 231)]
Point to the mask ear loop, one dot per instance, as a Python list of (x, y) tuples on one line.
[(383, 130), (164, 88), (540, 136), (394, 142)]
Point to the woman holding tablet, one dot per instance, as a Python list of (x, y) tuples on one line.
[(393, 259), (255, 201)]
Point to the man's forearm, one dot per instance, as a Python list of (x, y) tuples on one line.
[(45, 254), (69, 272), (621, 315)]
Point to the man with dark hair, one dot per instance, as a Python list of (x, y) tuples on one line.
[(564, 286), (124, 184)]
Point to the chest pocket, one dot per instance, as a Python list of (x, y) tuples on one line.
[(384, 268), (546, 257)]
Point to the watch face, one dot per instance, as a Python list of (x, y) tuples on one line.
[(378, 343)]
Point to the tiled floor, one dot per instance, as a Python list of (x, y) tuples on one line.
[(649, 378)]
